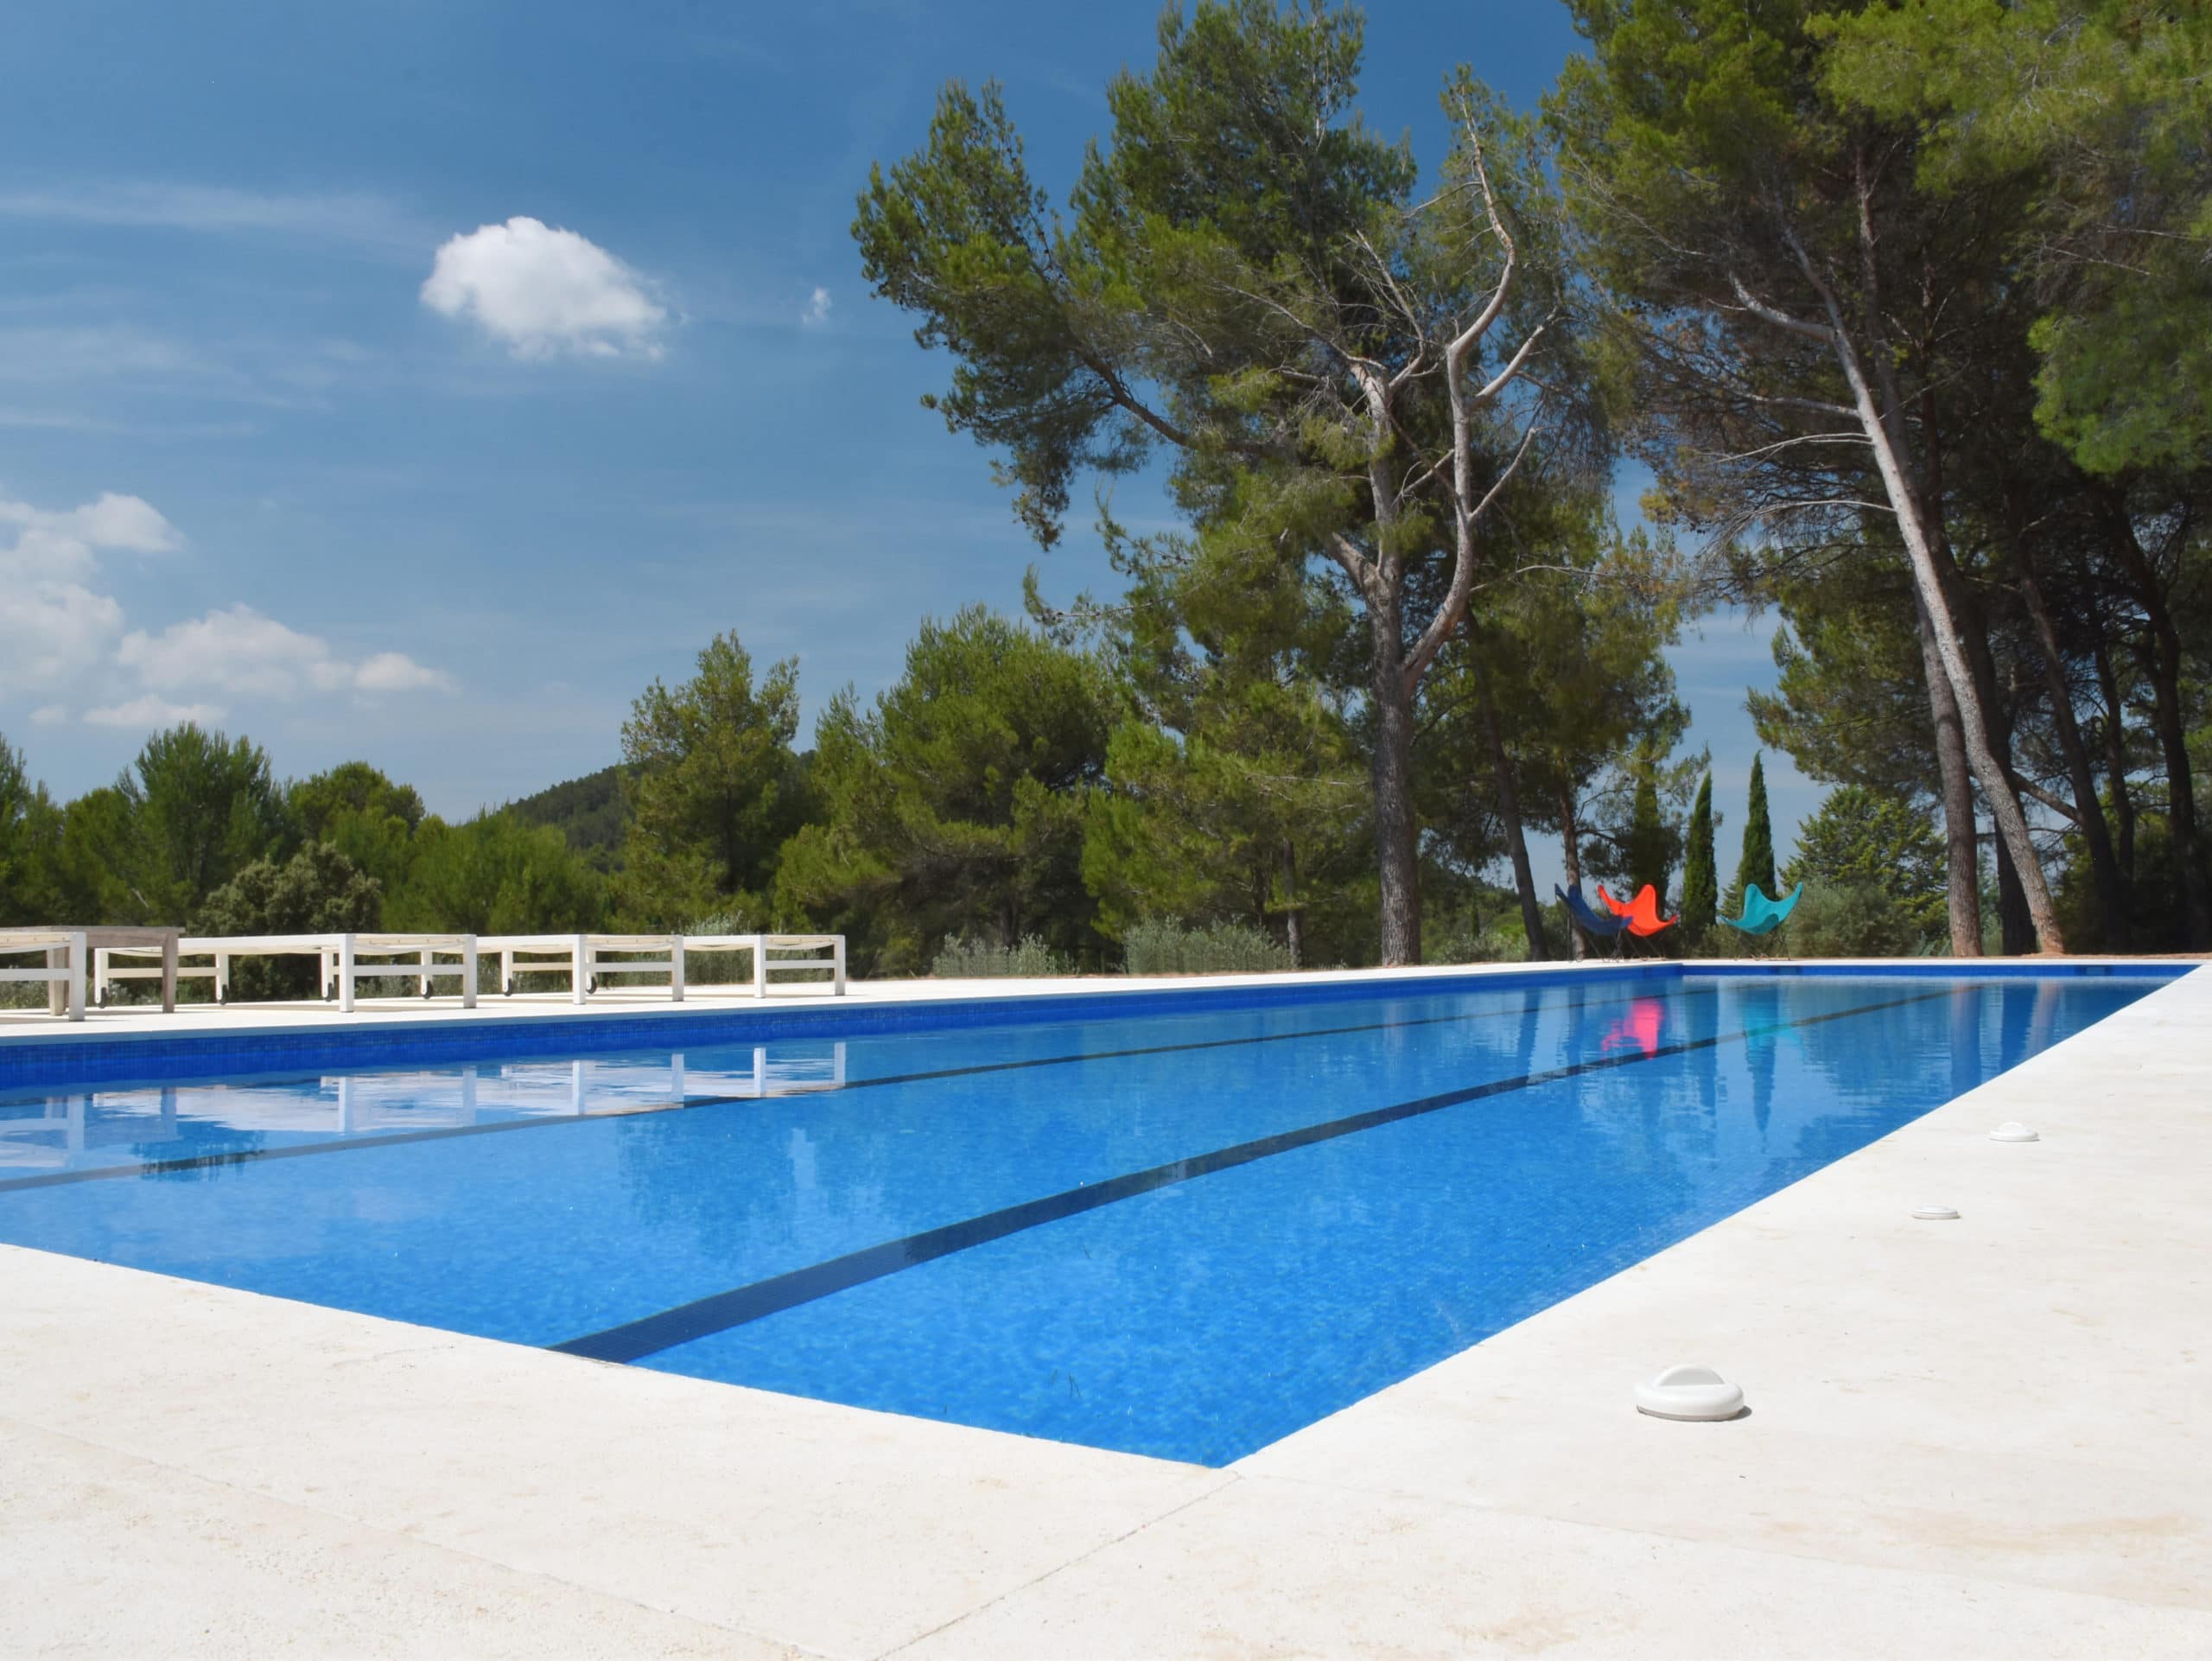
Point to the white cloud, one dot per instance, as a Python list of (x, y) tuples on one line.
[(54, 624), (543, 291), (240, 653), (129, 522), (61, 628), (50, 632), (149, 712), (394, 672), (49, 545), (70, 354), (818, 310), (54, 421), (337, 216)]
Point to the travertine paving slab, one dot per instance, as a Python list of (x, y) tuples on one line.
[(109, 1554), (1267, 1569), (841, 1530)]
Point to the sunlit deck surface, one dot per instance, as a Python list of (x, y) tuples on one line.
[(1982, 1437), (123, 1020)]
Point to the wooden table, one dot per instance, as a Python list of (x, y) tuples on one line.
[(69, 960)]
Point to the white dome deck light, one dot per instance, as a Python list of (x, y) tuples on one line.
[(1696, 1393), (1937, 1213), (2014, 1130)]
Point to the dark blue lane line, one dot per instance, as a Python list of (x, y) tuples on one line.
[(441, 1133), (720, 1311)]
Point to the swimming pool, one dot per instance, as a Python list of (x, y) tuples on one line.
[(1183, 1227)]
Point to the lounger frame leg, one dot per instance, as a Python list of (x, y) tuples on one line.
[(79, 965)]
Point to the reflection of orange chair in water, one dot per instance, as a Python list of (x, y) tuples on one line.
[(1642, 911), (1639, 1026)]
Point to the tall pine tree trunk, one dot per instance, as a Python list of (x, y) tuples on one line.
[(1395, 859), (2088, 812), (1508, 809), (2016, 928), (1963, 874), (1885, 435), (2016, 931), (2115, 737), (1571, 835), (2163, 665)]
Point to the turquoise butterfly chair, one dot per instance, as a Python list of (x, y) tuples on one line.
[(1763, 915)]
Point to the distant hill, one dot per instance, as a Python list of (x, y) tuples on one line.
[(588, 811)]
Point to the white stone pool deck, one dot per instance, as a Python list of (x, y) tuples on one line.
[(1987, 1437)]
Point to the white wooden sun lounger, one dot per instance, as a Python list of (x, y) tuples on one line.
[(69, 956), (829, 954), (583, 958), (586, 959), (344, 960)]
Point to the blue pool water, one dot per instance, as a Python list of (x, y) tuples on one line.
[(1184, 1234)]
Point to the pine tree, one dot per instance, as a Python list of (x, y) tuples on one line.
[(1757, 863), (1700, 876)]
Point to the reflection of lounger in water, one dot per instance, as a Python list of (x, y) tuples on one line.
[(1763, 915), (1638, 1029)]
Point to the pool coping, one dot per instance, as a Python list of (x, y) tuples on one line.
[(1915, 1460)]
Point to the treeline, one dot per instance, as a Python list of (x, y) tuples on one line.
[(1913, 301), (1007, 789), (199, 832), (1006, 805), (1905, 306)]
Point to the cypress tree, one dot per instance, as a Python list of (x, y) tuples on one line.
[(1700, 876), (1757, 864), (1647, 847)]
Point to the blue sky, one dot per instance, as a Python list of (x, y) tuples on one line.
[(305, 430)]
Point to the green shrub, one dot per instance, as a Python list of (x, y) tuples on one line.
[(721, 968), (1453, 942), (1855, 920), (317, 891), (1160, 945), (963, 959)]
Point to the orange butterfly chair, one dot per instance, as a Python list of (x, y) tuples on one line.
[(1642, 911)]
